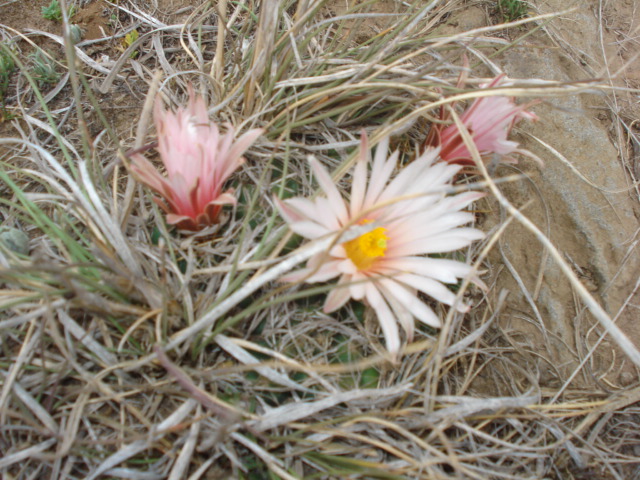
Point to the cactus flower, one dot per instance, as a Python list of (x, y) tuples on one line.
[(389, 266), (489, 121), (198, 159)]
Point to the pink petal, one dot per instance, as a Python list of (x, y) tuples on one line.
[(224, 199), (197, 160), (243, 142)]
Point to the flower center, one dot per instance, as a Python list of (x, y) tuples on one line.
[(364, 250)]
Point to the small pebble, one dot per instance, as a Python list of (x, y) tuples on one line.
[(14, 240), (76, 33), (627, 378)]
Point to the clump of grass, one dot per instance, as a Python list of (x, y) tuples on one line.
[(129, 39), (53, 11), (44, 69), (512, 9)]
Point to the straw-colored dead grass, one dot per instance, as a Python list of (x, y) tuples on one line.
[(132, 351)]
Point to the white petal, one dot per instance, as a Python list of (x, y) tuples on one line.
[(380, 173), (290, 215), (325, 214), (402, 183), (435, 290), (441, 269), (429, 155), (304, 207), (462, 200), (412, 303), (358, 286), (450, 221), (338, 296), (359, 182), (338, 251), (445, 242), (297, 276), (402, 314), (385, 317), (329, 187), (309, 229), (347, 267), (410, 232), (325, 272)]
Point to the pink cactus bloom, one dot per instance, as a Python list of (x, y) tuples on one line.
[(489, 121), (388, 266), (198, 160)]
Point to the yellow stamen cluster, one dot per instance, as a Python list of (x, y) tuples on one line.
[(364, 250)]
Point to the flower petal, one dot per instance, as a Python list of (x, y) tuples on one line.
[(197, 160), (329, 188), (309, 229), (324, 272), (402, 314), (358, 183), (440, 269), (385, 317), (338, 296), (412, 303), (435, 290)]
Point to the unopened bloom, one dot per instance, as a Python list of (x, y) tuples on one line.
[(198, 160), (388, 266), (489, 121)]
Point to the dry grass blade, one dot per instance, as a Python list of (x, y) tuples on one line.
[(245, 357), (34, 405), (300, 410), (181, 466), (27, 453), (131, 349)]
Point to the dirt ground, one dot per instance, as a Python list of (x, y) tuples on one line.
[(597, 135), (597, 230)]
